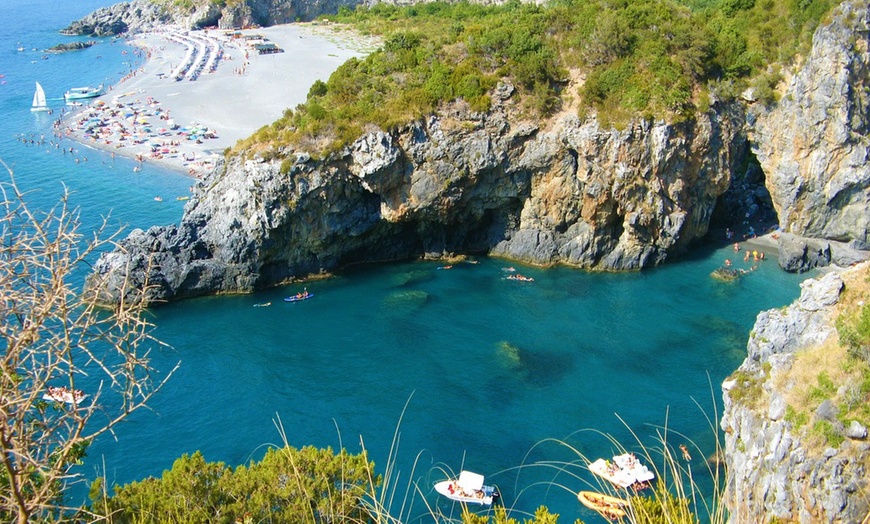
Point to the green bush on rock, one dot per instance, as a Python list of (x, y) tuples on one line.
[(287, 485), (649, 58)]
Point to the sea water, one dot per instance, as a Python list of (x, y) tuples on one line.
[(460, 367)]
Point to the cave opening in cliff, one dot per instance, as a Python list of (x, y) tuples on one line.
[(746, 206)]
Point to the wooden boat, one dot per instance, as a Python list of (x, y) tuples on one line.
[(624, 471), (468, 488), (607, 506)]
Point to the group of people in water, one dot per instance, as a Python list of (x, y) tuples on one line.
[(516, 276), (754, 256)]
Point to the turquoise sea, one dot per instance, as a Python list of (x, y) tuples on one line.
[(494, 372)]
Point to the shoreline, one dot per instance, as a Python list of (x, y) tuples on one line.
[(199, 92)]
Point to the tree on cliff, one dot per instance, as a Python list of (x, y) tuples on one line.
[(71, 370)]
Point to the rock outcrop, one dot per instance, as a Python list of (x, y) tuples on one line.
[(139, 15), (773, 472), (458, 182), (143, 15), (799, 254), (70, 46), (813, 144)]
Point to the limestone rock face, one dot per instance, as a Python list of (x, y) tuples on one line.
[(813, 145), (142, 15), (772, 473), (138, 15), (458, 182)]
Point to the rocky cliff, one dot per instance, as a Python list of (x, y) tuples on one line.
[(458, 182), (143, 15), (777, 467), (813, 144), (139, 15)]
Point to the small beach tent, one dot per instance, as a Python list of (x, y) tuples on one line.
[(470, 482)]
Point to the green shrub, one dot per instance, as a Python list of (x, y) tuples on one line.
[(318, 88), (854, 332), (798, 419), (644, 58), (747, 389), (287, 485), (827, 432), (824, 390)]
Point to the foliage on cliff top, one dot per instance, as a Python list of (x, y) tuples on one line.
[(837, 370), (287, 485), (191, 5), (651, 58)]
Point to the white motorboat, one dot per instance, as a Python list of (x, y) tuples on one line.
[(624, 471), (468, 488), (64, 394), (82, 93)]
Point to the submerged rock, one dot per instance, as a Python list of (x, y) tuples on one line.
[(725, 274)]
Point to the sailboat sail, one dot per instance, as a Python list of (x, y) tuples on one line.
[(39, 99)]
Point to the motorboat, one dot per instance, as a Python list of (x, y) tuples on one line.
[(624, 471), (82, 93), (609, 507), (468, 488), (64, 394)]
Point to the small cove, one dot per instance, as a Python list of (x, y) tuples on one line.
[(492, 367)]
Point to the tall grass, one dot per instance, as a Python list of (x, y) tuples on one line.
[(677, 495), (355, 497)]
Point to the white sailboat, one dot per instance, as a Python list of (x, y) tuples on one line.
[(39, 100)]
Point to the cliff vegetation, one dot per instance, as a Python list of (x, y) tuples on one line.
[(619, 60), (797, 411), (835, 373)]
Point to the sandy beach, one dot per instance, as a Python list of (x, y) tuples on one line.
[(200, 92)]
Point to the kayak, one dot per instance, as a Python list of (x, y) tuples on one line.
[(295, 298)]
